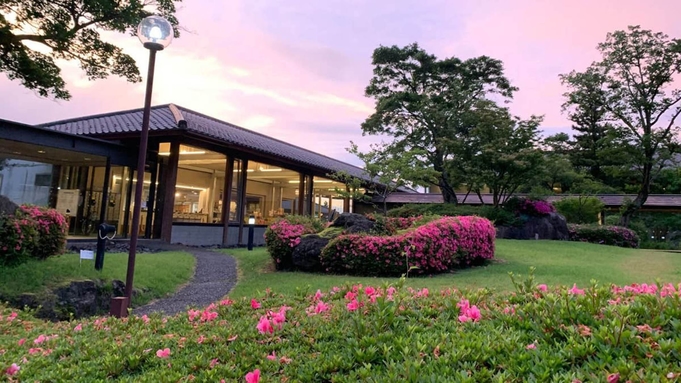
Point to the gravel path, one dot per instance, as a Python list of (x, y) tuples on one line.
[(214, 277)]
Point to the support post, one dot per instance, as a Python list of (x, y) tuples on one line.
[(151, 204), (227, 199), (169, 186), (105, 191), (241, 206), (301, 195), (309, 185)]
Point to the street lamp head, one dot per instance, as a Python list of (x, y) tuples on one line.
[(155, 32)]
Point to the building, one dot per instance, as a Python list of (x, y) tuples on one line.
[(203, 178)]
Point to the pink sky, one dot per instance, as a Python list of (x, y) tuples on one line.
[(297, 71)]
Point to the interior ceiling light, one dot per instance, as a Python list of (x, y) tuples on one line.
[(270, 169), (184, 152), (248, 170), (315, 181), (41, 151)]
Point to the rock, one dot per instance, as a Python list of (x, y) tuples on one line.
[(79, 298), (306, 255), (552, 226), (118, 288), (7, 206), (353, 223)]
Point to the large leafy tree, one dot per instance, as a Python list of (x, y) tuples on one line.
[(504, 153), (36, 33), (636, 76), (423, 103)]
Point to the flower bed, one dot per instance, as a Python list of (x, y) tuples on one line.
[(31, 232), (432, 248), (281, 237), (605, 235), (360, 333)]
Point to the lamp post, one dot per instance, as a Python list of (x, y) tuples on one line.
[(155, 33)]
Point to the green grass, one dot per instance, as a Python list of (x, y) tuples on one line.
[(158, 273), (556, 262)]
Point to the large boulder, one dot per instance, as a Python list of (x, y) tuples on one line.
[(306, 255), (7, 206), (552, 226), (353, 223)]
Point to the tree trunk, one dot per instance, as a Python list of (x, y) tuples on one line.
[(640, 199), (448, 193)]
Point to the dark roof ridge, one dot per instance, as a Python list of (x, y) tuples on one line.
[(265, 136), (100, 115)]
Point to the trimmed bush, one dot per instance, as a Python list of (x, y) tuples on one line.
[(390, 225), (529, 207), (52, 229), (282, 236), (605, 235), (497, 215), (581, 210), (432, 248), (18, 239)]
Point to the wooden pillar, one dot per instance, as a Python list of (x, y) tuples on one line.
[(128, 198), (227, 198), (241, 206), (160, 197), (105, 192), (301, 195), (169, 188), (151, 199), (346, 201), (309, 185)]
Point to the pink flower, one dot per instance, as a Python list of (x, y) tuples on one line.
[(369, 291), (12, 316), (575, 291), (542, 287), (32, 351), (531, 346), (272, 356), (353, 305), (613, 378), (145, 318), (214, 362), (350, 295), (318, 295), (13, 369), (473, 313), (78, 328), (509, 310), (201, 339), (22, 341), (321, 307), (254, 304), (264, 325), (464, 318), (163, 354), (40, 339), (192, 314), (253, 377), (226, 302)]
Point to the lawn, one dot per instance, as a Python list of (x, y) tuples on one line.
[(159, 273), (556, 262)]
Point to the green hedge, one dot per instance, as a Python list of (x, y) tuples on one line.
[(604, 235), (496, 216)]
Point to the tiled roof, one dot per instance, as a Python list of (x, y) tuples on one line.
[(610, 200), (173, 117)]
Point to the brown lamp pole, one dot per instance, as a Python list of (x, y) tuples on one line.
[(155, 33)]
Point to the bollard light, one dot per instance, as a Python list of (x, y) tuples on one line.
[(251, 229)]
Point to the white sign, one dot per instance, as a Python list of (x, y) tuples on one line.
[(86, 254), (67, 201)]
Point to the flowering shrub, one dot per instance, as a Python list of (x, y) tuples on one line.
[(52, 229), (435, 247), (579, 334), (18, 239), (605, 235), (281, 237), (390, 225), (529, 207)]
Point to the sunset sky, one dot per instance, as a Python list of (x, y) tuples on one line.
[(297, 70)]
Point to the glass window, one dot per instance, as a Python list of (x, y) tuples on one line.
[(200, 183)]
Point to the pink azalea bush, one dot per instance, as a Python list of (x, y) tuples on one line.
[(52, 229), (281, 237), (604, 235), (31, 232), (432, 248), (566, 334)]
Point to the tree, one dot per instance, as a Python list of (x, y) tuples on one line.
[(423, 102), (387, 172), (635, 76), (504, 153), (35, 33)]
